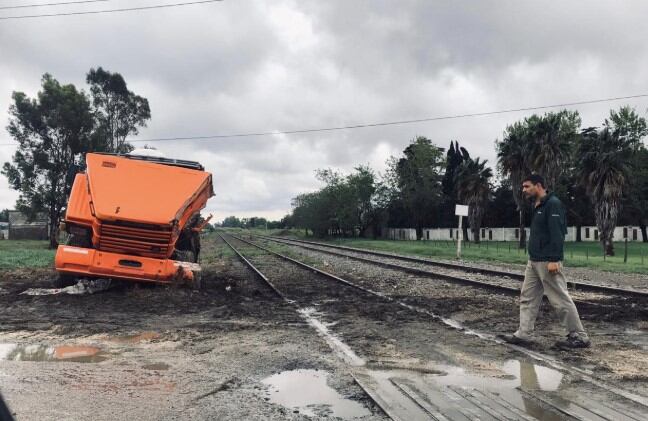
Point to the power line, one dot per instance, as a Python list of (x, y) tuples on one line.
[(94, 12), (380, 124), (25, 6), (390, 123)]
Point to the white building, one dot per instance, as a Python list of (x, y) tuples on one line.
[(631, 233)]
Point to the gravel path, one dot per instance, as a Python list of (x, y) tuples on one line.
[(488, 279), (595, 276)]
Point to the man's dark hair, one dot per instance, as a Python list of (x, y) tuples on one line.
[(535, 179)]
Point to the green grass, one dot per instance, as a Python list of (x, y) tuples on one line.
[(25, 254), (587, 255)]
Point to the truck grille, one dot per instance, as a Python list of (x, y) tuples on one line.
[(138, 240)]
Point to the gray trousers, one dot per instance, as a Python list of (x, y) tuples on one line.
[(537, 282)]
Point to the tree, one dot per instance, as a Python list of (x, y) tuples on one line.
[(119, 112), (4, 215), (419, 181), (549, 143), (473, 188), (633, 128), (574, 197), (635, 199), (454, 157), (52, 131), (363, 187), (630, 127), (603, 171), (513, 164), (343, 206), (232, 222), (502, 209)]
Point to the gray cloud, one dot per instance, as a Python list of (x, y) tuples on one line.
[(252, 65)]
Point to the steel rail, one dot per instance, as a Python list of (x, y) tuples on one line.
[(471, 282), (583, 286), (453, 324), (280, 294), (427, 273), (254, 269)]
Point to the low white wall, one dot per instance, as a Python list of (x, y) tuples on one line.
[(399, 233), (632, 233), (511, 234)]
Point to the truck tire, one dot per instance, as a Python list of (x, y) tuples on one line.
[(64, 280), (197, 281)]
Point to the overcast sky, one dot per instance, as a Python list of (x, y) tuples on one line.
[(248, 66)]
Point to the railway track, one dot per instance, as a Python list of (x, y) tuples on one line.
[(405, 395), (506, 282)]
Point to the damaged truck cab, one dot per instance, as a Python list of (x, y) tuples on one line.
[(135, 218)]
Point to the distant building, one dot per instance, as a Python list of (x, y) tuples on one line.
[(21, 228)]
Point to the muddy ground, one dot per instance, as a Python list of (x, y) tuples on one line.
[(164, 353), (618, 326), (167, 353)]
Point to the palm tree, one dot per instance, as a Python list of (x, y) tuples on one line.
[(512, 163), (603, 171), (474, 189), (549, 143)]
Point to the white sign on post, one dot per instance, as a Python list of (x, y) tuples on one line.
[(460, 211)]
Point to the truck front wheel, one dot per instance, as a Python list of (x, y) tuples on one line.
[(64, 280)]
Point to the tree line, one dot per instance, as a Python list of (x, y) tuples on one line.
[(55, 129), (252, 222), (600, 174)]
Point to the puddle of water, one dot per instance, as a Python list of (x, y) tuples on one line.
[(137, 338), (505, 388), (533, 376), (156, 366), (83, 287), (307, 391), (69, 353), (518, 373)]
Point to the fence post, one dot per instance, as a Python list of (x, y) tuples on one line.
[(625, 252), (586, 254)]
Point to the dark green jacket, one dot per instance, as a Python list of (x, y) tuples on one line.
[(548, 229)]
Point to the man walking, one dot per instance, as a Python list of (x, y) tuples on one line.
[(543, 273)]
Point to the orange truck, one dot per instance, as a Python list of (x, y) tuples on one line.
[(135, 218)]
